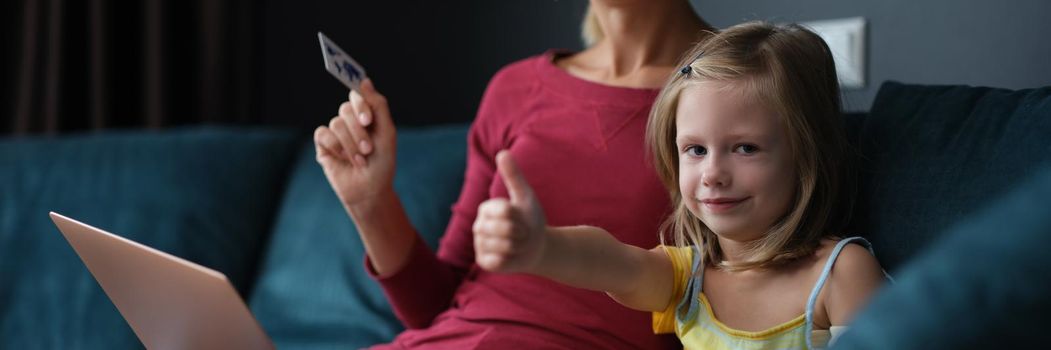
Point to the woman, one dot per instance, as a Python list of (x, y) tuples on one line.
[(575, 125)]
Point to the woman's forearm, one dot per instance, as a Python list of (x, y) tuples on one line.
[(385, 231)]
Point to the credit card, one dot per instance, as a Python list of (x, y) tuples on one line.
[(340, 65)]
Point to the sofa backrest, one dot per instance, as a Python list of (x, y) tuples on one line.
[(934, 155), (204, 194)]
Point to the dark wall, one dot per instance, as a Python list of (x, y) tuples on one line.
[(432, 59), (976, 42)]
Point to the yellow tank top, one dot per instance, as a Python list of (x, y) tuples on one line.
[(692, 320)]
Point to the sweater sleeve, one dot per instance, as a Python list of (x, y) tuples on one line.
[(421, 289), (425, 286)]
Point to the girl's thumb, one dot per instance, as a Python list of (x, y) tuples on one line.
[(517, 186)]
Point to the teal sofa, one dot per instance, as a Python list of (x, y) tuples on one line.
[(955, 193)]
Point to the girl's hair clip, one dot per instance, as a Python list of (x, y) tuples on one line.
[(687, 69)]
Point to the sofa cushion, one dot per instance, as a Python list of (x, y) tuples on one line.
[(984, 285), (204, 194), (313, 291), (934, 154)]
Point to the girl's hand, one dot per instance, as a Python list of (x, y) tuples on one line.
[(509, 234), (357, 148)]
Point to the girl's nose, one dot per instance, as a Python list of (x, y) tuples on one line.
[(714, 174)]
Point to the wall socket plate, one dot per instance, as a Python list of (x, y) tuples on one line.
[(846, 38)]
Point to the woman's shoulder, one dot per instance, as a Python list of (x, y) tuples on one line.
[(513, 83), (523, 70), (512, 86)]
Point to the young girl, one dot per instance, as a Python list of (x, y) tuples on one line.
[(748, 139)]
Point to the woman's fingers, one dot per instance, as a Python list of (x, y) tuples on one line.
[(354, 125), (378, 105), (339, 128), (326, 143), (363, 112)]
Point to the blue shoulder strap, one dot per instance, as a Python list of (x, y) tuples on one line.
[(824, 276), (689, 305)]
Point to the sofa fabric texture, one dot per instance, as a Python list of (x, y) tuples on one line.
[(932, 156)]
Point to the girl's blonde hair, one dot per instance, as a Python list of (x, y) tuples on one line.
[(789, 69)]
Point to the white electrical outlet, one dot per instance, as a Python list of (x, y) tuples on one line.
[(846, 38)]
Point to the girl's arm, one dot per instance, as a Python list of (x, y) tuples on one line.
[(510, 235), (591, 258)]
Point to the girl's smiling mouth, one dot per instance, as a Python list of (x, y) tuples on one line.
[(722, 204)]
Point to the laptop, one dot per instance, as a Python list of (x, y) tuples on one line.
[(170, 303)]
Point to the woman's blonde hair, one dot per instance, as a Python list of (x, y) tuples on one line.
[(591, 30), (789, 69)]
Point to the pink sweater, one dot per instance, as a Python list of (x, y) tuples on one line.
[(581, 147)]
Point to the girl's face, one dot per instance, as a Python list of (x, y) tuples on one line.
[(735, 162)]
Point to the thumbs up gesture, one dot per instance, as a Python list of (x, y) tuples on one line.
[(509, 233)]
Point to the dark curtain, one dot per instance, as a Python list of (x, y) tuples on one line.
[(74, 65)]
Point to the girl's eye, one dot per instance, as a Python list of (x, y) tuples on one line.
[(696, 150), (747, 149)]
